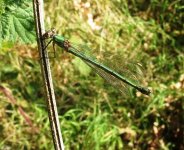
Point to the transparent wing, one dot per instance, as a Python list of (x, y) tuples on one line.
[(131, 71), (117, 83), (117, 61)]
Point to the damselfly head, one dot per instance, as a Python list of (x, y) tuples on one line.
[(49, 34)]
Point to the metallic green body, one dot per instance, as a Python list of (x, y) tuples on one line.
[(59, 40)]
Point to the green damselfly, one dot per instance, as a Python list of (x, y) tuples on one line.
[(115, 78)]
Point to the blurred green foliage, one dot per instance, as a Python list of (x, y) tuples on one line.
[(94, 115)]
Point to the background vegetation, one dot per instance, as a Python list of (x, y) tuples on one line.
[(93, 115)]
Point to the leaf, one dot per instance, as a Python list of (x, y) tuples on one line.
[(2, 6), (17, 22)]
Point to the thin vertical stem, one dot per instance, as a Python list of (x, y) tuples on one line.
[(46, 72)]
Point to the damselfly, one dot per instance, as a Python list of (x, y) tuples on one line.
[(117, 79)]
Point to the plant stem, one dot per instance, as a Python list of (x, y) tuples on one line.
[(46, 72)]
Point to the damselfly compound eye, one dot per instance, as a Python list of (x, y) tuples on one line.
[(49, 33)]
